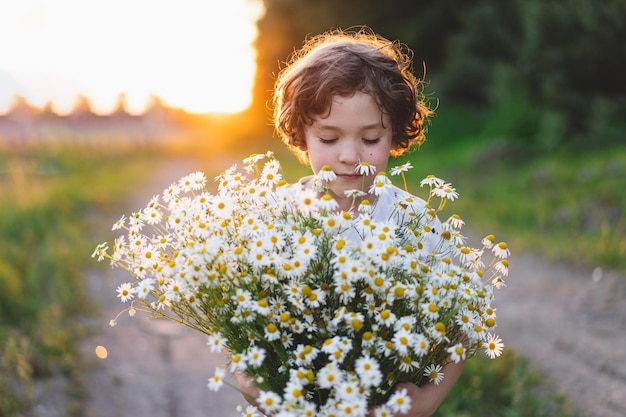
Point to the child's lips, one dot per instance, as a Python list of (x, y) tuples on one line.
[(349, 177)]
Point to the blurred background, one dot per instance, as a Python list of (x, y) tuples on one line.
[(103, 104)]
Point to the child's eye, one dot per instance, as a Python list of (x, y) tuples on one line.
[(328, 140), (371, 141)]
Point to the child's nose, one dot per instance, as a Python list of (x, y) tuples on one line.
[(349, 154)]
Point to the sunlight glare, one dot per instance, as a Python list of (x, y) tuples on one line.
[(192, 54)]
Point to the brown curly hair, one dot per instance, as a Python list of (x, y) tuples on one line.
[(341, 63)]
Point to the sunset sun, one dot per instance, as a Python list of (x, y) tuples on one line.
[(192, 54)]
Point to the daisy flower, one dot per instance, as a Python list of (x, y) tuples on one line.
[(502, 267), (400, 402), (255, 356), (251, 411), (100, 251), (493, 346), (401, 168), (488, 241), (329, 376), (144, 287), (383, 411), (120, 223), (368, 370), (192, 182), (327, 174), (433, 373), (380, 185), (217, 342), (457, 352), (432, 181), (217, 381), (253, 159), (270, 174), (365, 168), (501, 250), (445, 191), (328, 203), (125, 292), (171, 192), (269, 401), (455, 221)]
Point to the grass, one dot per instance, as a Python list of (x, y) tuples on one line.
[(506, 387), (50, 199), (566, 204)]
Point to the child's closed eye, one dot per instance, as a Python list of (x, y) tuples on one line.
[(371, 141), (328, 141)]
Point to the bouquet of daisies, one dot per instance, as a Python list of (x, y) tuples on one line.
[(326, 310)]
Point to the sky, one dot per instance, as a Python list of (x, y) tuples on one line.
[(192, 54)]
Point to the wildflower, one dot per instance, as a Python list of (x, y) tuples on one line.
[(120, 223), (268, 401), (144, 287), (457, 352), (493, 346), (328, 203), (455, 221), (380, 185), (488, 241), (365, 208), (294, 391), (100, 251), (253, 159), (400, 402), (251, 411), (420, 344), (502, 267), (434, 374), (171, 192), (217, 342), (354, 194), (383, 411), (368, 371), (192, 182), (445, 191), (270, 174), (431, 181), (125, 292), (326, 174), (217, 381), (501, 250), (255, 356), (365, 168), (329, 376), (401, 168)]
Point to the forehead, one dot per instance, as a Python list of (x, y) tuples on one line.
[(359, 110)]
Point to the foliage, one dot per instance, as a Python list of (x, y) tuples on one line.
[(550, 71), (42, 290), (508, 387), (568, 197)]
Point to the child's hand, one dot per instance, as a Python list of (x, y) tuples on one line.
[(422, 403), (426, 399)]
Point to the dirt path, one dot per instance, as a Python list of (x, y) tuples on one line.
[(569, 321), (572, 323)]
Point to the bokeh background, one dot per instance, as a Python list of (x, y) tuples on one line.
[(99, 100)]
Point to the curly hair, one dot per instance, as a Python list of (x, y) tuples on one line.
[(340, 63)]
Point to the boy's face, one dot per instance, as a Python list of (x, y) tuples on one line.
[(354, 131)]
